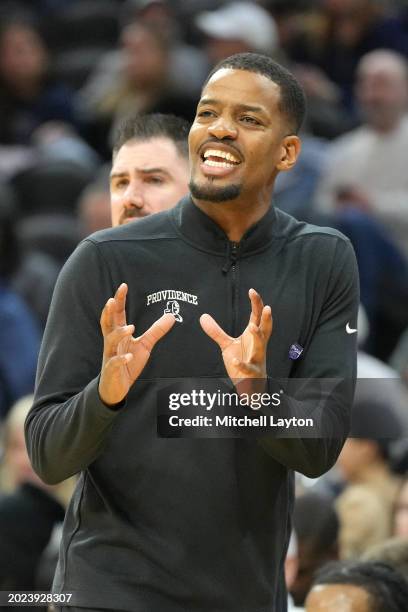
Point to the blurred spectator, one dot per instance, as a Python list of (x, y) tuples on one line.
[(19, 334), (150, 169), (364, 520), (291, 17), (375, 379), (366, 505), (383, 273), (52, 142), (135, 80), (31, 275), (28, 95), (358, 587), (157, 13), (401, 511), (188, 65), (56, 141), (143, 70), (366, 168), (238, 27), (326, 116), (291, 569), (295, 190), (94, 212), (341, 32), (393, 552), (316, 526), (34, 281), (29, 511)]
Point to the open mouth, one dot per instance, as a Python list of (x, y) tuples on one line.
[(219, 159)]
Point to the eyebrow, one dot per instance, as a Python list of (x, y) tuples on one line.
[(142, 171), (254, 109), (247, 107), (208, 101)]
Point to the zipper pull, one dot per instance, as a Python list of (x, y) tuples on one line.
[(232, 257)]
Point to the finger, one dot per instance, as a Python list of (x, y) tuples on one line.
[(159, 329), (266, 324), (119, 307), (215, 332), (106, 319), (256, 306), (116, 362), (113, 339), (257, 348)]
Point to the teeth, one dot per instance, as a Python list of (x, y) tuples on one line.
[(210, 162), (223, 154)]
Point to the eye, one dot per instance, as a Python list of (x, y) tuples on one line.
[(121, 184), (205, 113), (250, 120), (155, 180)]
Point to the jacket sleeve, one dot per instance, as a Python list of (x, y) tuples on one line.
[(325, 375), (68, 424)]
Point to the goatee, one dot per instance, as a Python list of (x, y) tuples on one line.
[(211, 193)]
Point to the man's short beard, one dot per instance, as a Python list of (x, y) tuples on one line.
[(211, 193)]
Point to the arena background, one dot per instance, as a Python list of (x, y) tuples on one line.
[(70, 71)]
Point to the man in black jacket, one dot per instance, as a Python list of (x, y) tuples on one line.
[(195, 524)]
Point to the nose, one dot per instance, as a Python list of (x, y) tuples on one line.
[(133, 197), (223, 127)]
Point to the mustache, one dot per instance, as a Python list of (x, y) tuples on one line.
[(133, 213)]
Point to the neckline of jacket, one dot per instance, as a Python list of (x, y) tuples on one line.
[(199, 230)]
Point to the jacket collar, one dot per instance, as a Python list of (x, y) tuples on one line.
[(203, 233)]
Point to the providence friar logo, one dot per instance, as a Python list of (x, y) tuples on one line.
[(172, 297), (174, 307)]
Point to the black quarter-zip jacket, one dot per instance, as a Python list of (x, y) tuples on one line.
[(186, 525)]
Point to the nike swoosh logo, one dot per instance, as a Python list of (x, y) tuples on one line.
[(350, 330)]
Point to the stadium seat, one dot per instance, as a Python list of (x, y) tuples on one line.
[(50, 188), (84, 23), (54, 235)]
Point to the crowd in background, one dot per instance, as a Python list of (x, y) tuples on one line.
[(70, 72)]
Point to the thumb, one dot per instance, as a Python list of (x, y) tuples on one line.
[(215, 332)]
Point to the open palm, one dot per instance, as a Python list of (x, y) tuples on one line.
[(125, 357), (245, 356)]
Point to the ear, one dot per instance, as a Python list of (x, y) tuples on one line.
[(291, 146)]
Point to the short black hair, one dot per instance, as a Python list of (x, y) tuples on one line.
[(316, 522), (386, 587), (143, 127), (292, 99), (393, 552)]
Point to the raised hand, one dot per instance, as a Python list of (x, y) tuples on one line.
[(124, 357), (245, 356)]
